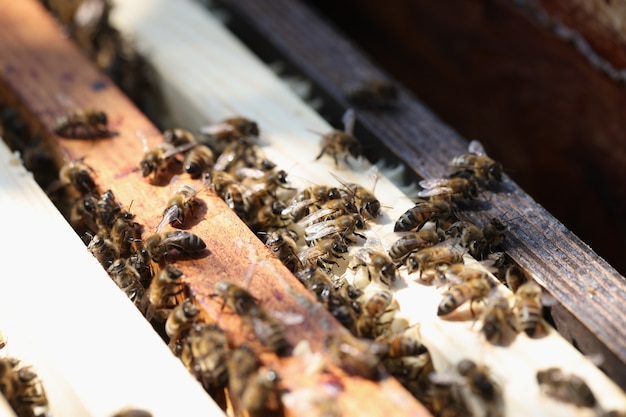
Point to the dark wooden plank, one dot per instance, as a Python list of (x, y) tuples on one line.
[(578, 278)]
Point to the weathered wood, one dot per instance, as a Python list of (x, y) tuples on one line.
[(560, 261), (43, 72)]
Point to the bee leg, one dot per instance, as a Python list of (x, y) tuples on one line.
[(321, 153)]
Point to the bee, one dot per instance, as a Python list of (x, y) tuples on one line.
[(355, 356), (344, 226), (434, 257), (472, 290), (179, 206), (369, 324), (128, 280), (496, 318), (182, 318), (83, 214), (166, 285), (283, 245), (235, 129), (310, 198), (228, 189), (330, 210), (565, 387), (412, 241), (252, 388), (423, 211), (477, 163), (198, 160), (157, 246), (268, 217), (378, 264), (456, 189), (107, 210), (342, 143), (237, 298), (79, 175), (177, 137), (400, 345), (478, 380), (22, 388), (269, 331), (104, 250), (514, 278), (86, 123), (493, 233), (160, 158), (124, 232), (324, 252), (528, 307), (204, 353), (132, 412), (373, 94)]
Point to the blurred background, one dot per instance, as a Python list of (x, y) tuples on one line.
[(540, 84)]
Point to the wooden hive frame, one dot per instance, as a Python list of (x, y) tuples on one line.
[(126, 187)]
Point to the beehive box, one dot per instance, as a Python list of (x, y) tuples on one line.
[(285, 120)]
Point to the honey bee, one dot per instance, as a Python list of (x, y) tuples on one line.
[(472, 290), (379, 265), (514, 278), (177, 137), (400, 345), (355, 356), (86, 123), (493, 233), (104, 250), (128, 280), (343, 226), (496, 318), (228, 189), (434, 257), (565, 387), (180, 320), (237, 298), (133, 412), (198, 160), (479, 382), (457, 189), (283, 245), (412, 241), (269, 331), (324, 252), (415, 217), (157, 246), (342, 143), (528, 307), (373, 94), (83, 214), (252, 388), (308, 198), (106, 211), (124, 232), (268, 217), (165, 286), (160, 158), (204, 353), (79, 175), (235, 129), (22, 388), (477, 163), (179, 206), (369, 324)]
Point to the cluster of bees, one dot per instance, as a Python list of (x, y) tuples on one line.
[(313, 230)]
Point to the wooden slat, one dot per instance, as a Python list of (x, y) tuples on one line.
[(560, 261), (93, 351), (203, 91), (42, 72)]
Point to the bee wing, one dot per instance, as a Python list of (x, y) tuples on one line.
[(433, 187), (312, 252), (373, 174), (288, 318), (348, 119), (320, 230), (363, 255), (170, 215), (225, 159), (447, 378), (174, 150), (144, 140), (316, 215), (373, 243), (296, 206), (477, 148), (216, 128)]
